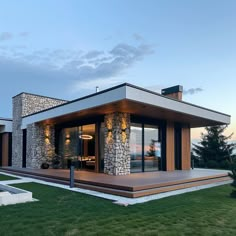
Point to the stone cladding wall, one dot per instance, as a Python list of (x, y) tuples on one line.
[(116, 150), (26, 104), (40, 145), (17, 134), (35, 103)]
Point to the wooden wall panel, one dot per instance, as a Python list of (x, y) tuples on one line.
[(186, 148), (5, 144), (170, 147)]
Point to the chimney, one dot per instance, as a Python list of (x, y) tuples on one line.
[(173, 92), (97, 89)]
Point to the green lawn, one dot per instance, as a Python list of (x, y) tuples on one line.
[(61, 212), (6, 177)]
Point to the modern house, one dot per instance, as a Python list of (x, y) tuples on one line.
[(122, 130)]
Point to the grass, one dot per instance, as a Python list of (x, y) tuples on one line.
[(6, 177), (61, 212)]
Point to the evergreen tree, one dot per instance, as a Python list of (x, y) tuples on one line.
[(214, 149)]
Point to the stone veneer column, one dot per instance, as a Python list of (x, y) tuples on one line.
[(40, 144), (17, 134), (116, 151)]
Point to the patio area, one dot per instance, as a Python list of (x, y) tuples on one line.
[(133, 185)]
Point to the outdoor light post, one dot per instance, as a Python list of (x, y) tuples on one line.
[(192, 164), (72, 175)]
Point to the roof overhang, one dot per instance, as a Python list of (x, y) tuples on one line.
[(5, 125), (134, 100)]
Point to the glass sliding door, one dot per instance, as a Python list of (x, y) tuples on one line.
[(77, 144), (145, 148), (136, 148), (151, 148), (87, 155), (68, 145)]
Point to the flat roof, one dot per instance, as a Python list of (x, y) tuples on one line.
[(37, 95), (5, 119), (5, 125), (134, 100)]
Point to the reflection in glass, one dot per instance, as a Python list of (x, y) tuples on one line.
[(152, 150), (77, 144), (68, 142), (136, 148)]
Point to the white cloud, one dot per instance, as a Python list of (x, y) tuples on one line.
[(92, 54), (24, 34), (138, 37), (192, 91), (84, 65), (4, 36), (83, 70)]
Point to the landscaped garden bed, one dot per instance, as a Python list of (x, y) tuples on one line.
[(6, 177)]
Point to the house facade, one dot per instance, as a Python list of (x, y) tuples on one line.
[(122, 130)]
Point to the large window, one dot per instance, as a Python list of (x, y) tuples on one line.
[(136, 147), (152, 147), (77, 144), (145, 148)]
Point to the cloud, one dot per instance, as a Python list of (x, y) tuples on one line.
[(80, 69), (24, 34), (104, 70), (4, 36), (192, 91), (138, 37), (84, 65), (22, 77), (92, 54), (109, 37), (112, 63), (128, 51)]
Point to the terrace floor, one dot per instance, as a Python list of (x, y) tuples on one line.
[(133, 185)]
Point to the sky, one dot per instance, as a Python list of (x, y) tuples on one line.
[(65, 49)]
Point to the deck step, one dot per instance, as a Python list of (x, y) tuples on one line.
[(130, 193), (158, 190), (147, 192), (77, 184)]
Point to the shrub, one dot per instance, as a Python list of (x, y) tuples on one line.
[(212, 164), (44, 165), (232, 174), (56, 161), (224, 165)]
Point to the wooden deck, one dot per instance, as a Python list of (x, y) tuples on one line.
[(133, 185)]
